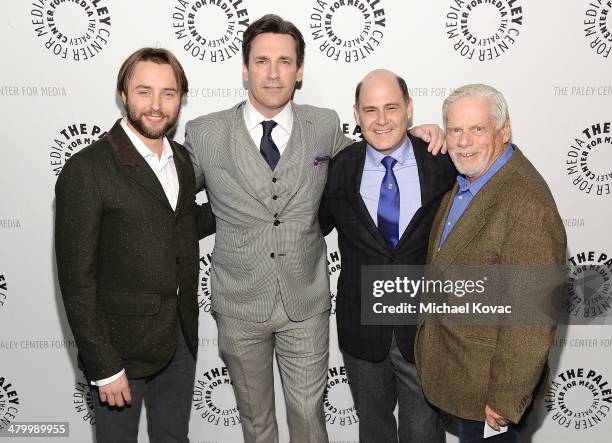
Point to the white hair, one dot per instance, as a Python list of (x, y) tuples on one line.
[(499, 107)]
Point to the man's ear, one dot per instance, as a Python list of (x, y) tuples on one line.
[(356, 113), (300, 73), (409, 109), (506, 131)]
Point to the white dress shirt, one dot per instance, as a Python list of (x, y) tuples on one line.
[(165, 171), (280, 133)]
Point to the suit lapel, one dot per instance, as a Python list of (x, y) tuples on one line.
[(439, 220), (302, 138), (251, 165), (182, 169), (427, 179), (352, 176), (475, 216), (464, 231), (134, 166)]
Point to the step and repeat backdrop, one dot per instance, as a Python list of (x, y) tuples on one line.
[(60, 59)]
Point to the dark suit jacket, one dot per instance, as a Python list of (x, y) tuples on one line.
[(122, 252), (513, 220), (361, 243)]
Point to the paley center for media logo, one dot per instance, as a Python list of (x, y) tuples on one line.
[(69, 140), (204, 296), (483, 30), (589, 283), (333, 268), (9, 402), (589, 159), (82, 400), (3, 290), (213, 398), (210, 30), (579, 399), (337, 400), (74, 30), (347, 30), (598, 26)]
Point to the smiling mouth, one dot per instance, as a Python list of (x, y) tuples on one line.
[(155, 116), (382, 131), (467, 154)]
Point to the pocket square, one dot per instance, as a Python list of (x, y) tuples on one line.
[(321, 160)]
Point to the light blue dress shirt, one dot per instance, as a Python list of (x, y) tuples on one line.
[(406, 174), (468, 190)]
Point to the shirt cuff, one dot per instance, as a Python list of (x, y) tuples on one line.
[(108, 380)]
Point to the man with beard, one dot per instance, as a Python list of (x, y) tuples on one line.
[(126, 239)]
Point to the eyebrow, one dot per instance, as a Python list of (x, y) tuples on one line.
[(265, 57), (384, 106), (148, 87)]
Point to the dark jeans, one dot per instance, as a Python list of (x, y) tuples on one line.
[(167, 397)]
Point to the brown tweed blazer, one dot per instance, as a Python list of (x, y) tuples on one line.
[(512, 220)]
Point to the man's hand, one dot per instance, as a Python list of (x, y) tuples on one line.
[(116, 393), (494, 419), (432, 134)]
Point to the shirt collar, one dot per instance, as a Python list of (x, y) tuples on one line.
[(252, 117), (405, 153), (141, 147), (476, 185)]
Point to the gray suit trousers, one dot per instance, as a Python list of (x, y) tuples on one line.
[(302, 351)]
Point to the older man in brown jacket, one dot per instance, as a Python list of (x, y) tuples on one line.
[(500, 212)]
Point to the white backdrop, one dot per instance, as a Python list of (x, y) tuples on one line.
[(551, 59)]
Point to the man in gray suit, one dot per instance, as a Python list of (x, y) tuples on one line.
[(265, 162)]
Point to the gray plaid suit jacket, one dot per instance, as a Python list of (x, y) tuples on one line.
[(268, 239)]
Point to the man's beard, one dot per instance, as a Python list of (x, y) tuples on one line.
[(139, 125)]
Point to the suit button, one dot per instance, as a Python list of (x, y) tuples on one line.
[(272, 255), (276, 215), (178, 260), (274, 179), (276, 222), (274, 197)]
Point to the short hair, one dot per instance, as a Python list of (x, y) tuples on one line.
[(156, 55), (401, 83), (274, 24), (499, 107)]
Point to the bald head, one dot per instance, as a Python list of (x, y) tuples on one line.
[(380, 76), (383, 110)]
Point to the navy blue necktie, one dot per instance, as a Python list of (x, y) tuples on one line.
[(389, 204), (267, 147)]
